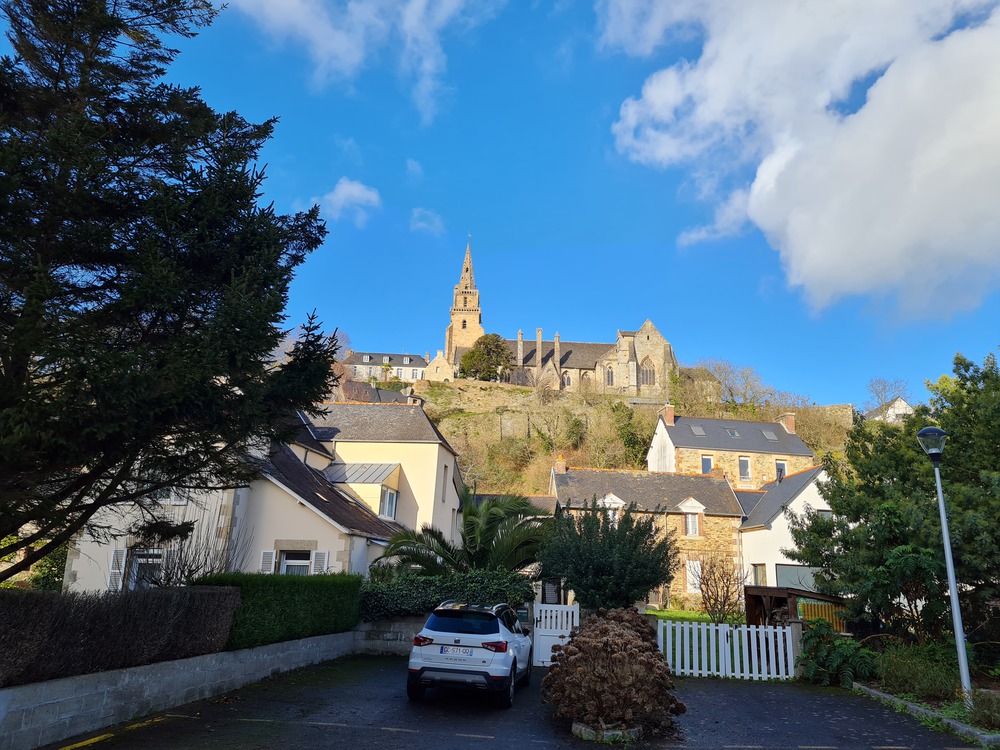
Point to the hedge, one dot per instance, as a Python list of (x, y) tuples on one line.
[(412, 594), (47, 635), (282, 608)]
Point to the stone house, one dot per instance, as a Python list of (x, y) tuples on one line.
[(327, 501), (702, 513), (383, 366), (750, 454)]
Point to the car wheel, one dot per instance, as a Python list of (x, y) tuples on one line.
[(506, 698), (526, 677), (415, 692)]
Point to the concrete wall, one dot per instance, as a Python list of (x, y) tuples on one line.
[(35, 715)]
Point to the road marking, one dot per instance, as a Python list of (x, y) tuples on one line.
[(399, 729), (890, 747), (817, 747), (102, 737), (477, 736)]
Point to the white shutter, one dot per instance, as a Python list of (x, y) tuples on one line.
[(117, 569), (319, 562), (694, 576), (170, 572), (267, 557)]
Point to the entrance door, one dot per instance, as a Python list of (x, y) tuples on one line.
[(553, 623)]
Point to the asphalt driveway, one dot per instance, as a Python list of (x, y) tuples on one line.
[(361, 702)]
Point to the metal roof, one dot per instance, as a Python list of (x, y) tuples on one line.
[(359, 473)]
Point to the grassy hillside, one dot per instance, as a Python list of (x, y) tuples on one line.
[(508, 437)]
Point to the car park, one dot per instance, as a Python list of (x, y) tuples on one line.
[(477, 646)]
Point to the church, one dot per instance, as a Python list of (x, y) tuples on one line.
[(638, 364)]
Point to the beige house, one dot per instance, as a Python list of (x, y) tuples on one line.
[(325, 502), (750, 454), (702, 513)]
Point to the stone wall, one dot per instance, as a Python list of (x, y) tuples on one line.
[(387, 636), (719, 535), (762, 469)]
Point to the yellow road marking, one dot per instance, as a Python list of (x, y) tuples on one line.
[(102, 737)]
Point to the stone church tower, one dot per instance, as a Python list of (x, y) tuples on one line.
[(466, 318)]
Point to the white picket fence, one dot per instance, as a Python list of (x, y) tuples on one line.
[(746, 652)]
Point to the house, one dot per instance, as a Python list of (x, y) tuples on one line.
[(750, 454), (327, 500), (702, 512), (765, 533), (382, 366), (894, 412)]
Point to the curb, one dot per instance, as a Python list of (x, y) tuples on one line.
[(964, 730)]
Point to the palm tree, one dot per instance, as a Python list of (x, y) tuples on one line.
[(501, 533)]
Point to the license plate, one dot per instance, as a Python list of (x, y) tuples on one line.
[(459, 650)]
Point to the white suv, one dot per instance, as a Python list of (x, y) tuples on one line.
[(480, 646)]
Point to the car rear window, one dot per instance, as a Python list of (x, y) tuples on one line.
[(471, 623)]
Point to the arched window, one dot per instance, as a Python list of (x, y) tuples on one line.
[(647, 372), (609, 376), (567, 381), (464, 324), (585, 377), (465, 301)]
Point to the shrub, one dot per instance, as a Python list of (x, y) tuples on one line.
[(928, 671), (985, 711), (282, 608), (411, 594), (611, 674), (46, 635), (830, 657)]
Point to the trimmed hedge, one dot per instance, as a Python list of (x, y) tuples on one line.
[(412, 594), (47, 635), (282, 608)]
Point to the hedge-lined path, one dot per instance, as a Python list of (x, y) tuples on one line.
[(361, 702)]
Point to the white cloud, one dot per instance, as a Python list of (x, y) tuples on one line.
[(891, 194), (413, 170), (341, 37), (351, 199), (423, 220)]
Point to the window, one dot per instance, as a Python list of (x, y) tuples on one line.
[(647, 372), (399, 373), (780, 470), (609, 376), (707, 464), (732, 432), (694, 576), (294, 563), (759, 574), (406, 360), (464, 325), (744, 468), (413, 375), (465, 301), (366, 358), (387, 507), (444, 484), (567, 381), (698, 430), (770, 436), (826, 515), (385, 359), (144, 569), (691, 524)]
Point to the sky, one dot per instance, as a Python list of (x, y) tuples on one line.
[(811, 189)]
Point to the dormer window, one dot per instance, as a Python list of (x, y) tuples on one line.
[(406, 360), (385, 359), (366, 358)]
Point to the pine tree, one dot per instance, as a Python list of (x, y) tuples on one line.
[(142, 279)]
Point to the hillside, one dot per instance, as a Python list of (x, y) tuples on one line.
[(508, 436)]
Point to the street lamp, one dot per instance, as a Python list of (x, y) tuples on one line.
[(932, 439)]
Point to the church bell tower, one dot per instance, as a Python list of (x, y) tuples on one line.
[(466, 318)]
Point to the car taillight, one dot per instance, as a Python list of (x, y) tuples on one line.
[(422, 640), (499, 647)]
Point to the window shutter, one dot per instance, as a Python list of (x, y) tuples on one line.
[(267, 560), (319, 562), (170, 572), (117, 569)]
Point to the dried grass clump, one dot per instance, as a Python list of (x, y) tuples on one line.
[(612, 675)]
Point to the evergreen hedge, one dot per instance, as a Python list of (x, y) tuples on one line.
[(282, 608), (412, 594)]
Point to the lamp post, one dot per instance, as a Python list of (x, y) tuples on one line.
[(932, 439)]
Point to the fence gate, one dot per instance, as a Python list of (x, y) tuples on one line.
[(553, 622), (746, 652)]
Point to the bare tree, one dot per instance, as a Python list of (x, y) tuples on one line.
[(742, 387), (720, 582), (883, 392)]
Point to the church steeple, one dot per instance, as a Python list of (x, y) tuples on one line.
[(466, 317)]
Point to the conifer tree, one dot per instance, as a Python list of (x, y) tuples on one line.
[(142, 278)]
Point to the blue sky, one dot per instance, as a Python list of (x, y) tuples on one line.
[(809, 189)]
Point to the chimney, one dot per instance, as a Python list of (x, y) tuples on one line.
[(440, 352), (538, 349), (667, 412), (557, 356), (520, 348), (427, 356), (560, 467), (788, 422)]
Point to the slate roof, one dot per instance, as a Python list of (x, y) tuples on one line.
[(751, 436), (305, 437), (309, 484), (367, 473), (351, 390), (377, 423), (777, 496), (649, 491), (572, 354), (748, 499), (396, 360), (546, 503)]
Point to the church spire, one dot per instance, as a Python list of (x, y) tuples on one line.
[(468, 279), (466, 317)]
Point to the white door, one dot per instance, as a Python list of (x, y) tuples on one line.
[(553, 623)]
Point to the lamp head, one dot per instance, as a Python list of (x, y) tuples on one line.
[(932, 439)]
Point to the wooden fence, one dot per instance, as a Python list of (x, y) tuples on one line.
[(746, 652)]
